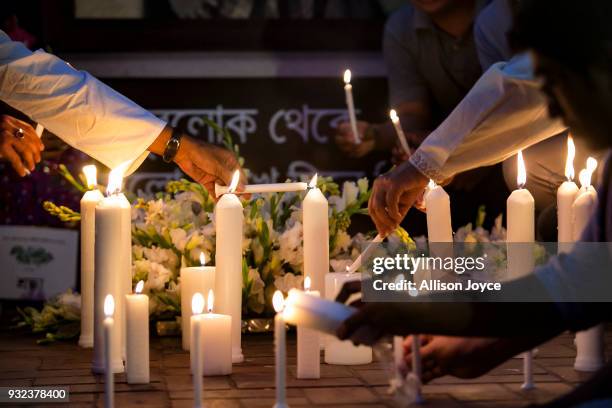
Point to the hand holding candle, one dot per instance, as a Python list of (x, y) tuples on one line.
[(348, 91)]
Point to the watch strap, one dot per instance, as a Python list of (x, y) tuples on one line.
[(172, 146)]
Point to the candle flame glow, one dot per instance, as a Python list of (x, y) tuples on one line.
[(585, 175), (307, 283), (591, 164), (313, 181), (432, 184), (211, 301), (569, 162), (347, 76), (109, 305), (91, 173), (393, 116), (115, 178), (234, 183), (278, 301), (197, 303), (139, 286), (202, 258), (521, 172)]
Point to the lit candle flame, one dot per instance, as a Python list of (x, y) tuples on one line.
[(139, 286), (313, 181), (591, 164), (115, 178), (347, 76), (91, 173), (393, 116), (211, 300), (202, 258), (431, 185), (569, 162), (109, 306), (234, 184), (585, 175), (278, 301), (521, 172), (197, 303), (307, 283)]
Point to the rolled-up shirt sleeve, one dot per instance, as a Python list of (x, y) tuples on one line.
[(81, 110), (504, 111)]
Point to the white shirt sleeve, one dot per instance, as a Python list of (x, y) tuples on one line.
[(84, 112), (503, 112)]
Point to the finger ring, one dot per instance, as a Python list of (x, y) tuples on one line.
[(19, 134)]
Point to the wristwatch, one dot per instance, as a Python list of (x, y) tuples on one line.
[(172, 146)]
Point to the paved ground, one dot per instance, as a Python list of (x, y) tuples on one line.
[(23, 363)]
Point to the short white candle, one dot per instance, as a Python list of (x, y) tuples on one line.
[(315, 220), (193, 279), (111, 252), (280, 350), (216, 341), (229, 219), (590, 345), (566, 194), (308, 346), (437, 202), (137, 336), (109, 322), (88, 230), (399, 131), (264, 188), (343, 352), (521, 235), (197, 307), (348, 91)]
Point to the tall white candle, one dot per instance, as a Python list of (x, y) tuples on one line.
[(228, 280), (197, 307), (216, 341), (348, 91), (109, 344), (437, 202), (280, 351), (109, 277), (521, 235), (193, 279), (590, 346), (343, 352), (399, 131), (88, 220), (315, 218), (263, 188), (566, 194), (308, 346), (137, 336)]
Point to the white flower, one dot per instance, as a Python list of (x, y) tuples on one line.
[(343, 241), (157, 275), (363, 185), (163, 256), (70, 299), (350, 192), (288, 281), (290, 241), (256, 298), (179, 238), (336, 202)]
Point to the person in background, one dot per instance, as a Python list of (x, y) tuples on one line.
[(576, 70), (93, 118)]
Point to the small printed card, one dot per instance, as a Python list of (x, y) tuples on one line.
[(37, 263)]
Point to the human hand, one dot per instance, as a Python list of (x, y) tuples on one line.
[(19, 144), (208, 164), (393, 194), (346, 140)]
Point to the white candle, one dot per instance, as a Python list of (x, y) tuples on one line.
[(228, 280), (109, 344), (365, 254), (193, 279), (216, 341), (308, 346), (348, 91), (88, 220), (197, 307), (343, 352), (566, 194), (590, 347), (280, 350), (315, 219), (111, 249), (437, 202), (521, 235), (398, 129), (137, 336), (263, 188)]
